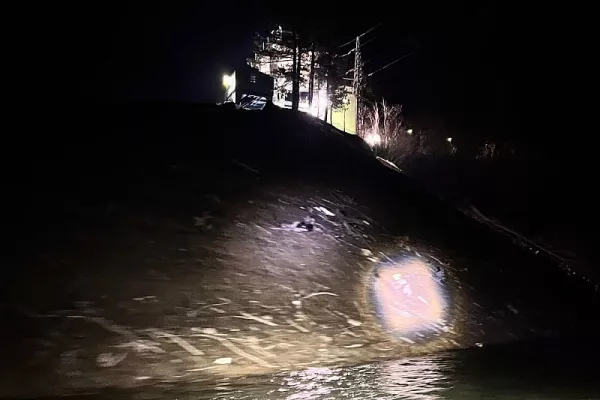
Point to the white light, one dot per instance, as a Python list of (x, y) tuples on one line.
[(373, 139), (227, 80), (410, 131), (449, 140), (409, 299)]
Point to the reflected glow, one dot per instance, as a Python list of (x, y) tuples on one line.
[(424, 378), (317, 111), (449, 140), (410, 131), (409, 298), (417, 378), (312, 383)]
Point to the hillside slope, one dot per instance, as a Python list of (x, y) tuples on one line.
[(178, 242)]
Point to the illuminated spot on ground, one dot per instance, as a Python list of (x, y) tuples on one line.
[(409, 298)]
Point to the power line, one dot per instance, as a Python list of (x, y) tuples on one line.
[(393, 62), (368, 41), (373, 28), (361, 45), (352, 69), (348, 53), (362, 34)]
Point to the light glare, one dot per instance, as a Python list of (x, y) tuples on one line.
[(373, 139), (227, 80), (409, 298)]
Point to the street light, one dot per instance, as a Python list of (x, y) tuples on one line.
[(373, 139), (345, 101), (227, 80)]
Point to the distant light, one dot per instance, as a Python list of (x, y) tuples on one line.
[(410, 131), (227, 80), (373, 139), (449, 140)]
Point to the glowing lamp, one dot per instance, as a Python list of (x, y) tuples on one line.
[(227, 80), (373, 139)]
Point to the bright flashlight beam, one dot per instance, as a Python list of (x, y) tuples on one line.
[(409, 299)]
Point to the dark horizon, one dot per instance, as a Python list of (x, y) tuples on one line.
[(455, 63), (478, 70)]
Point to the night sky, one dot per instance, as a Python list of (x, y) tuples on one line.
[(483, 68), (477, 70)]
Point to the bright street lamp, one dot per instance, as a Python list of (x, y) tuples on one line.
[(227, 80)]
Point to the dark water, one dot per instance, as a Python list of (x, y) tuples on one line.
[(540, 370)]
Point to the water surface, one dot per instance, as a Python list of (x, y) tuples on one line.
[(539, 370)]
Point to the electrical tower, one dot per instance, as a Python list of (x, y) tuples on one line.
[(358, 84)]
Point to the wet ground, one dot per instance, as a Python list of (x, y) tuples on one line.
[(207, 245)]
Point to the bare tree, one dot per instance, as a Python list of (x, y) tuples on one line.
[(295, 80), (288, 42), (385, 132), (298, 76), (276, 45), (311, 82)]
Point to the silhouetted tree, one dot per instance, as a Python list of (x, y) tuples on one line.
[(288, 42)]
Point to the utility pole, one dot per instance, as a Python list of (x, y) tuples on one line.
[(357, 84)]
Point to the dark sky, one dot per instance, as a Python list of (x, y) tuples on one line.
[(142, 50), (475, 65), (177, 50)]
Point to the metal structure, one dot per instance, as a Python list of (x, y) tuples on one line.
[(358, 84)]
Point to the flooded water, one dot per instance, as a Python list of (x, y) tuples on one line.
[(547, 370)]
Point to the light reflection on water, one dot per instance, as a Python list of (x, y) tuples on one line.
[(418, 379), (410, 379), (503, 373)]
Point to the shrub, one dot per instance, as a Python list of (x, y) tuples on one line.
[(385, 130)]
